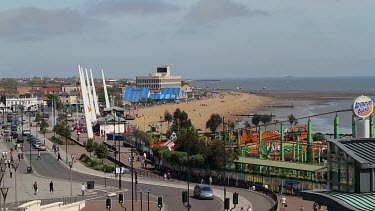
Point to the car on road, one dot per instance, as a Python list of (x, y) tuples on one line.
[(37, 144), (203, 191), (26, 132), (41, 147)]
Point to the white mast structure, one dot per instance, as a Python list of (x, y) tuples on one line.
[(86, 104), (94, 95), (91, 101), (107, 105)]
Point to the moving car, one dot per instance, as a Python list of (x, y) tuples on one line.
[(203, 191), (41, 147)]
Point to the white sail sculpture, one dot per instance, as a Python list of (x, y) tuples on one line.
[(107, 105), (95, 98), (86, 103), (91, 101)]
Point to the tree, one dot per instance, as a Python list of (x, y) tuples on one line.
[(168, 117), (43, 126), (292, 120), (256, 120), (214, 122), (142, 136), (149, 100), (142, 101), (90, 146), (55, 98), (265, 119), (101, 151), (319, 137), (187, 141)]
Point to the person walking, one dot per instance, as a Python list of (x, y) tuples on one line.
[(249, 208), (83, 189), (283, 202), (51, 187), (39, 158), (58, 156), (35, 187), (210, 180), (10, 172), (302, 208)]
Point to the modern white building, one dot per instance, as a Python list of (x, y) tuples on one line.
[(32, 102), (161, 79)]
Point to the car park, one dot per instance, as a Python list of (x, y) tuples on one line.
[(203, 191)]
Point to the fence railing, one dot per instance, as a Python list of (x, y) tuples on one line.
[(64, 200)]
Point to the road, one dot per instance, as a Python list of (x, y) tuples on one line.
[(49, 167)]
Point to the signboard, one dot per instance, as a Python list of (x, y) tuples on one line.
[(292, 184), (120, 170), (144, 190), (363, 106)]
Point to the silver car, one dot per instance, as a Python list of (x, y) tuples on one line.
[(203, 191)]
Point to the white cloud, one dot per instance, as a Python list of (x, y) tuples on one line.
[(31, 23)]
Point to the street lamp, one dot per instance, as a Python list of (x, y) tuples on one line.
[(2, 172), (15, 166), (71, 188)]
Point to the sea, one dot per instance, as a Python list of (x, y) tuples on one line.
[(338, 93)]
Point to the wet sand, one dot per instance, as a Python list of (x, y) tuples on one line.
[(199, 111)]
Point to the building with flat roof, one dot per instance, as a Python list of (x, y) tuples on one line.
[(351, 176), (159, 80)]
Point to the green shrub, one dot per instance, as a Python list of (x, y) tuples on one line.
[(98, 167), (83, 156)]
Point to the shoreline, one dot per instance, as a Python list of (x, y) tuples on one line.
[(199, 111)]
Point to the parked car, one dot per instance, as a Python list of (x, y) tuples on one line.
[(203, 191)]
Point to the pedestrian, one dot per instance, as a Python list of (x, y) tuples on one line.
[(8, 163), (51, 187), (10, 172), (58, 156), (316, 206), (249, 208), (266, 186), (19, 156), (83, 189), (202, 181), (39, 158), (35, 187), (241, 209), (283, 202), (302, 208), (210, 180), (280, 190)]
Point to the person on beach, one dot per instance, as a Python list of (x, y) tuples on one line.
[(51, 187), (35, 187)]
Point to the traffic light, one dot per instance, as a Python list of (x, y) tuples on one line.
[(160, 201), (226, 203), (120, 198), (184, 196), (235, 198), (108, 203)]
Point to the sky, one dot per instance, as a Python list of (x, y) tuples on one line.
[(199, 39)]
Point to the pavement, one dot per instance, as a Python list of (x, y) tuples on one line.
[(61, 187)]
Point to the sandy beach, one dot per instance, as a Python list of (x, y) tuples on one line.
[(199, 111)]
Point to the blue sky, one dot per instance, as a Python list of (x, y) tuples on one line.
[(197, 38)]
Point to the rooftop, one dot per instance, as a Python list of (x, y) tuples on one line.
[(280, 164)]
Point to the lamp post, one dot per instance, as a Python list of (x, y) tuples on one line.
[(119, 157), (15, 166), (225, 157), (2, 172), (71, 188), (66, 136)]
